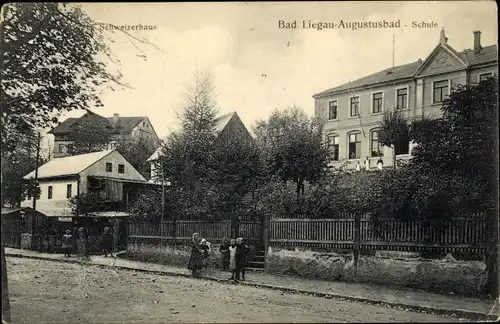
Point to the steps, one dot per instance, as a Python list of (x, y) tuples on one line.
[(257, 262)]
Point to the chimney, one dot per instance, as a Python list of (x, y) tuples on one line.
[(115, 117), (442, 38), (477, 42)]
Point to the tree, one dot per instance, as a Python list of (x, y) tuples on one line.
[(463, 145), (186, 156), (48, 65), (187, 153), (137, 151), (292, 146), (393, 132), (49, 56), (89, 134), (15, 165), (235, 172)]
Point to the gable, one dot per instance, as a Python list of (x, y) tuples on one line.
[(145, 125), (441, 60), (115, 158), (235, 128)]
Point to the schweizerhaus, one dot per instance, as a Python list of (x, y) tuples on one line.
[(353, 111)]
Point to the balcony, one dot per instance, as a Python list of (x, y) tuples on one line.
[(108, 197)]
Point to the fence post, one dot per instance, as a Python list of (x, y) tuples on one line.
[(235, 226), (174, 231), (357, 240), (267, 232)]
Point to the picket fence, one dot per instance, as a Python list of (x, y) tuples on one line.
[(457, 235)]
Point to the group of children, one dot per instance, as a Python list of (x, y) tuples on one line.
[(234, 257), (106, 241)]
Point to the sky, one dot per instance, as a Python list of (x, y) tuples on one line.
[(258, 67)]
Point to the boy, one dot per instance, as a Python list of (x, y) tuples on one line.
[(67, 243), (241, 258)]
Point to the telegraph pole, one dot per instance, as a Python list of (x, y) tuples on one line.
[(162, 203), (35, 192), (393, 48)]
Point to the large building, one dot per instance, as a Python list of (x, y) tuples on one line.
[(122, 129), (353, 111)]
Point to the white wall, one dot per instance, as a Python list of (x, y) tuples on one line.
[(58, 205)]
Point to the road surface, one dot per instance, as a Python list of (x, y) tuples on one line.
[(50, 292)]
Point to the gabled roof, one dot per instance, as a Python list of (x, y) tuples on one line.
[(391, 74), (67, 166), (9, 211), (124, 124), (155, 154), (447, 48), (220, 123), (119, 124), (487, 54)]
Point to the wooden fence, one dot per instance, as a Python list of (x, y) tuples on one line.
[(464, 235), (457, 235), (212, 231)]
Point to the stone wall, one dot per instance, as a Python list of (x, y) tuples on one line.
[(397, 270), (167, 255)]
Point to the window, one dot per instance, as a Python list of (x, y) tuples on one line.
[(69, 194), (485, 76), (376, 147), (333, 146), (440, 91), (49, 192), (109, 167), (354, 106), (354, 146), (402, 99), (377, 102), (121, 168), (332, 110)]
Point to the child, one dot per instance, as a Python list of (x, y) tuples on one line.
[(107, 241), (241, 258), (205, 247), (67, 243), (380, 164), (224, 250), (232, 259)]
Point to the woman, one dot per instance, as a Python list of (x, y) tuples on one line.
[(196, 259)]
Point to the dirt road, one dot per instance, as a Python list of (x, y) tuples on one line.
[(52, 292)]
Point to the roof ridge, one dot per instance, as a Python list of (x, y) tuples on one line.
[(99, 156), (399, 72)]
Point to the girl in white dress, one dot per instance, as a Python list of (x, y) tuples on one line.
[(232, 259)]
